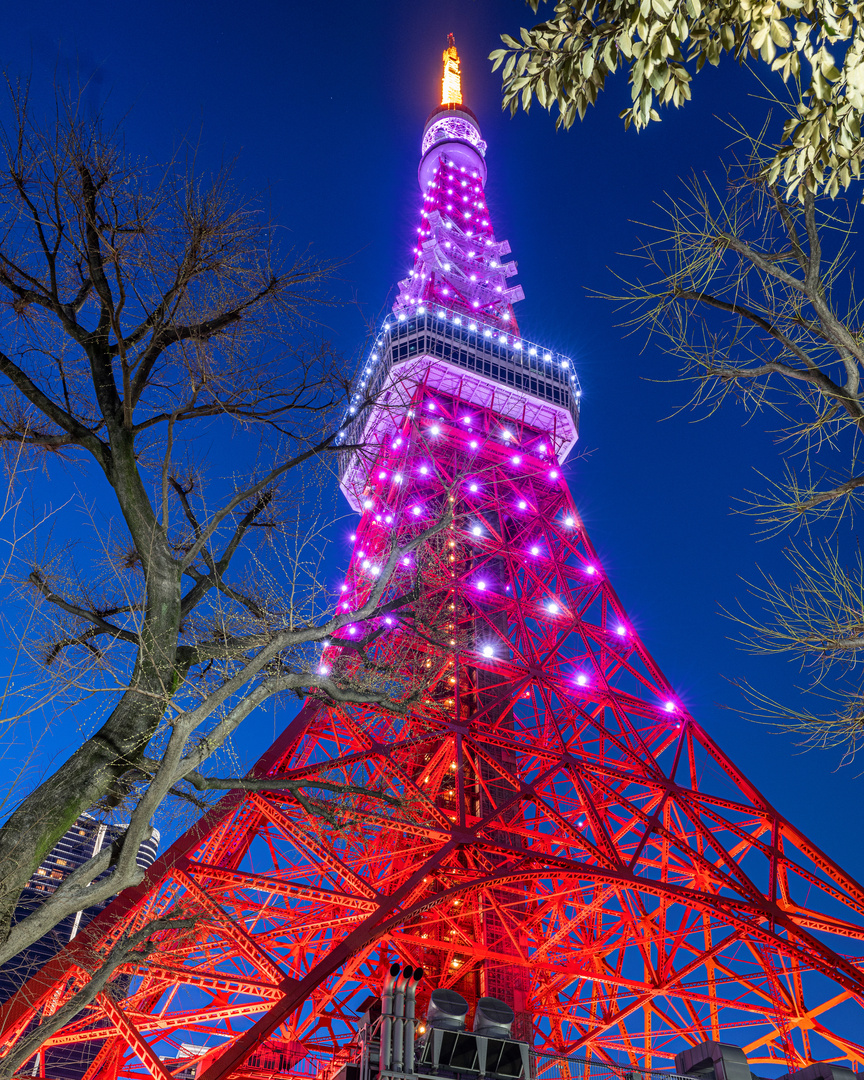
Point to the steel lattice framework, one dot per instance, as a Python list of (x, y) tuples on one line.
[(557, 829)]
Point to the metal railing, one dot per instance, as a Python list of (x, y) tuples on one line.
[(554, 1067)]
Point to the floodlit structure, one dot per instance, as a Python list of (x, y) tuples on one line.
[(544, 826)]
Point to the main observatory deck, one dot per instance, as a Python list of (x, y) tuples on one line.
[(449, 352)]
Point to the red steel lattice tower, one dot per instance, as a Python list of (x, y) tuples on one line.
[(557, 830)]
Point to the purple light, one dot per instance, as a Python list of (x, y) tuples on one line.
[(466, 419), (431, 406), (472, 487), (389, 621), (416, 511), (407, 560), (351, 630), (481, 585), (474, 444), (523, 505), (423, 470)]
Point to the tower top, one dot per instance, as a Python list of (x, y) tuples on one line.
[(451, 84)]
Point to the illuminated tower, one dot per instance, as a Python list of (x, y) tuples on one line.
[(544, 821)]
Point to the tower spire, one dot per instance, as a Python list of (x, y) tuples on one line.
[(458, 262), (451, 84)]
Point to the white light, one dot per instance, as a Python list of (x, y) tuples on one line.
[(553, 608), (547, 356), (553, 475), (477, 531), (508, 435), (466, 419), (473, 444), (523, 505), (368, 504), (535, 550), (382, 475), (487, 650), (581, 679), (344, 588), (472, 487), (416, 511), (406, 561), (620, 630), (323, 670), (516, 459), (423, 470), (590, 569), (398, 478), (569, 522), (436, 430), (669, 706), (481, 585)]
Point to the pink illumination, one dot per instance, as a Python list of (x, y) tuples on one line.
[(604, 725)]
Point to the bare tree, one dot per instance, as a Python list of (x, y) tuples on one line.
[(147, 314), (754, 296)]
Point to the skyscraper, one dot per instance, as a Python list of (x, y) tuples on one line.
[(543, 820), (87, 837)]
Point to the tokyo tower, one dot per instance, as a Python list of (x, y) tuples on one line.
[(544, 823)]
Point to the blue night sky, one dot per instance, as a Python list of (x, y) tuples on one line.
[(323, 106)]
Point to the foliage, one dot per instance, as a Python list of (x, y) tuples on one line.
[(816, 47)]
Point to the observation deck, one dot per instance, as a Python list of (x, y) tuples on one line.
[(446, 351)]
